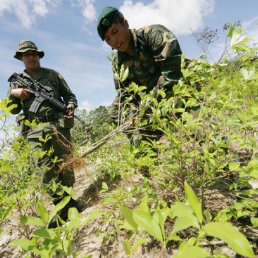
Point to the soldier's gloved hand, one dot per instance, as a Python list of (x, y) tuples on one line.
[(21, 93), (70, 113)]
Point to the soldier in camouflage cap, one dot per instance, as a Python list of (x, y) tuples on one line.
[(152, 54), (51, 122)]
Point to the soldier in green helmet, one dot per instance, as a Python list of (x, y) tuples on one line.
[(152, 54), (51, 121)]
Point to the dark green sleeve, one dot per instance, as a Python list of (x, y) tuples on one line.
[(167, 54), (66, 93)]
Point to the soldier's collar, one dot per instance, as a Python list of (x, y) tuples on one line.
[(27, 75), (138, 41)]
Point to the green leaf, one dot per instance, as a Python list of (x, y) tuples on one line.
[(180, 209), (238, 42), (173, 237), (30, 220), (184, 212), (6, 156), (128, 214), (146, 221), (252, 168), (127, 246), (41, 139), (104, 187), (162, 93), (253, 141), (194, 202), (127, 226), (108, 200), (233, 166), (67, 246), (254, 221), (193, 252), (208, 216), (42, 232), (141, 88), (92, 216), (74, 217), (179, 110), (58, 207), (138, 243), (231, 30), (183, 223), (248, 75), (69, 190), (125, 75), (160, 216), (230, 234), (116, 76), (144, 204), (25, 244), (254, 173), (42, 211)]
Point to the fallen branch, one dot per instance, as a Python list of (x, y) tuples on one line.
[(120, 129)]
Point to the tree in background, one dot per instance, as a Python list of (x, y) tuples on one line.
[(99, 124)]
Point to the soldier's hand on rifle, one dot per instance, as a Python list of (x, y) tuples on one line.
[(21, 93), (70, 113)]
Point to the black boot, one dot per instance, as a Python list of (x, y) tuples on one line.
[(76, 204)]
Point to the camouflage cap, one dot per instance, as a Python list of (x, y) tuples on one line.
[(26, 45), (105, 20)]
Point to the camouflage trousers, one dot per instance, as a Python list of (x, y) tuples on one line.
[(61, 150)]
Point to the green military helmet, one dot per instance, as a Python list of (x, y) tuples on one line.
[(26, 45), (106, 18)]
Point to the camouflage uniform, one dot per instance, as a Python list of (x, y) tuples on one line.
[(156, 59), (55, 125), (155, 63)]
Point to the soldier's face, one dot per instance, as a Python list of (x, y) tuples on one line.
[(31, 60), (118, 37)]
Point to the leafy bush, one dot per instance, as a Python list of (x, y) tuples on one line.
[(210, 137)]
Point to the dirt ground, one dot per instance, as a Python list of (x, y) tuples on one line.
[(92, 240)]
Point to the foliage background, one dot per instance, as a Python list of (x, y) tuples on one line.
[(200, 182)]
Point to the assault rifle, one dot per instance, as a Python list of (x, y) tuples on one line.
[(41, 94)]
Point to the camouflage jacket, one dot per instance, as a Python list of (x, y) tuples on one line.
[(55, 84), (155, 61)]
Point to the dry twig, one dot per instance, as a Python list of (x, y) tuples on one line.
[(120, 129)]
